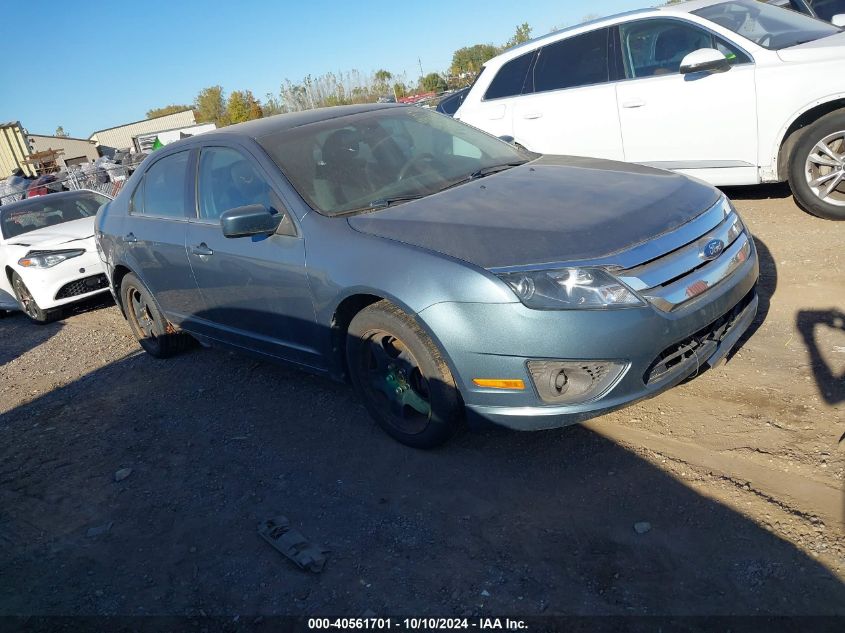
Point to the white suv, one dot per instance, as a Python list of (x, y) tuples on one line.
[(734, 92)]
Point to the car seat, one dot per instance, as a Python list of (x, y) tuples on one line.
[(342, 169), (675, 43)]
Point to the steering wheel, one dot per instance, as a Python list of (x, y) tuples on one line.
[(422, 160)]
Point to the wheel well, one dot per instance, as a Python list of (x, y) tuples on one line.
[(793, 133), (117, 277), (343, 316), (9, 273)]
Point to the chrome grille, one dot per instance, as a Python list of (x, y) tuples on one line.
[(678, 277)]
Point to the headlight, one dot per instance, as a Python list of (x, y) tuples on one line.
[(570, 289), (48, 259)]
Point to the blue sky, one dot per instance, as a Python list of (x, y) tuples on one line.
[(92, 65)]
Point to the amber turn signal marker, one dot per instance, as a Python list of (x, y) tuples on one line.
[(495, 383)]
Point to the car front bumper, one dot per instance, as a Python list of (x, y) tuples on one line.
[(498, 340), (67, 282)]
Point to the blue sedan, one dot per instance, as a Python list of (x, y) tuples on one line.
[(448, 275)]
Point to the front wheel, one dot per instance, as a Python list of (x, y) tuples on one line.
[(29, 306), (401, 376), (817, 167)]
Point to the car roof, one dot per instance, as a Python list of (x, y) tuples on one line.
[(681, 7), (689, 7), (282, 122)]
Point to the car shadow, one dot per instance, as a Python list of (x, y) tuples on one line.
[(19, 335), (766, 287), (831, 385), (555, 522), (777, 190)]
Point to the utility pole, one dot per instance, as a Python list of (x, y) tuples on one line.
[(421, 72)]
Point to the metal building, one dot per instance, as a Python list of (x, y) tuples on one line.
[(14, 149), (75, 150), (120, 137)]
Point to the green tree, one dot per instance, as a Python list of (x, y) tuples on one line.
[(523, 34), (399, 90), (210, 105), (470, 59), (242, 106), (382, 81), (272, 105), (171, 109), (60, 131), (433, 82)]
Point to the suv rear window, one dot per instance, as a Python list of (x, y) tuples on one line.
[(581, 60), (510, 79)]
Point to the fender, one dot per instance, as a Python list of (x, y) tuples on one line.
[(770, 171)]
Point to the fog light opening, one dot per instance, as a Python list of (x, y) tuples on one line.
[(561, 382), (573, 382)]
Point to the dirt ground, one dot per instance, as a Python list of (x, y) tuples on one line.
[(738, 472)]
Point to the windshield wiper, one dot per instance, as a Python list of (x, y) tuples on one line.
[(380, 203), (481, 173), (492, 169), (383, 203)]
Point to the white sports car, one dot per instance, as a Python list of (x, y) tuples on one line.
[(47, 253)]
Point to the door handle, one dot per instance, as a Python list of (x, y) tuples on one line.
[(532, 115), (633, 103), (130, 238), (202, 250)]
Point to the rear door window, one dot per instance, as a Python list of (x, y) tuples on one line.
[(582, 60), (511, 78), (165, 192)]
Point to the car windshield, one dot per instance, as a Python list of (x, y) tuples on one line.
[(48, 210), (374, 159), (767, 25)]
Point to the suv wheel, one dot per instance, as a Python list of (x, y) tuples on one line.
[(29, 306), (401, 376), (817, 167), (154, 333)]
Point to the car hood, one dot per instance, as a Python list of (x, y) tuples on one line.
[(554, 209), (831, 47), (57, 236)]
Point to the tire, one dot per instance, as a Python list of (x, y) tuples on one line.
[(401, 377), (28, 305), (828, 131), (154, 333)]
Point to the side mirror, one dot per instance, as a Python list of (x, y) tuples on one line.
[(838, 20), (707, 60), (253, 219), (507, 138)]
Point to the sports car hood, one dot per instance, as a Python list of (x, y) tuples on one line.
[(554, 209), (831, 47), (58, 236)]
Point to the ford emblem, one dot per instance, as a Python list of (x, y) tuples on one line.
[(712, 249)]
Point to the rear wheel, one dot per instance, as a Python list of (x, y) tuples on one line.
[(28, 304), (153, 331), (817, 167), (401, 377)]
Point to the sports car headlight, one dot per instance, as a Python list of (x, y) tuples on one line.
[(570, 289), (48, 259)]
